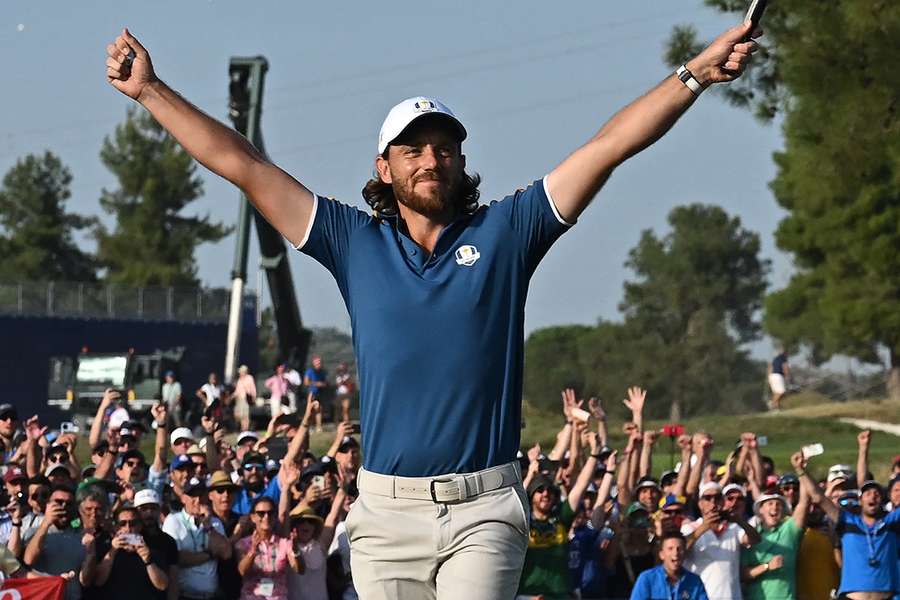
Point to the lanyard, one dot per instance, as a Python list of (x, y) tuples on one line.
[(870, 540)]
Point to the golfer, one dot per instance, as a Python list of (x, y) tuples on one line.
[(435, 284)]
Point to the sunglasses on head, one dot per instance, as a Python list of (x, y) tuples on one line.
[(254, 467)]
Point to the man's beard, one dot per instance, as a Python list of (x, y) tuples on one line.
[(431, 205)]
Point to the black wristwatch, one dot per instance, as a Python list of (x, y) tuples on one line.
[(147, 563)]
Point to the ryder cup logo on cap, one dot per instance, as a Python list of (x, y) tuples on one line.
[(467, 255), (408, 111)]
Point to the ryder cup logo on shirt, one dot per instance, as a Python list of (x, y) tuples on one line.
[(467, 255)]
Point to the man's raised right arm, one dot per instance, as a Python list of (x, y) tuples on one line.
[(281, 199)]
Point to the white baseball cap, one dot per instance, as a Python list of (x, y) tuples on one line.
[(247, 435), (146, 497), (408, 111), (179, 433), (710, 485)]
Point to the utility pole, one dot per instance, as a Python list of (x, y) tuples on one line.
[(246, 78)]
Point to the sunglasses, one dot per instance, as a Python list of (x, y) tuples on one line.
[(254, 467), (263, 513), (128, 523), (182, 442), (9, 417), (134, 463)]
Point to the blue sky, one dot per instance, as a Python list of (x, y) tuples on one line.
[(531, 81)]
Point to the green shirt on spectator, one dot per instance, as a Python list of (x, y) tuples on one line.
[(546, 569), (779, 584)]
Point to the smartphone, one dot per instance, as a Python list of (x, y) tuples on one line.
[(319, 482), (546, 465), (762, 440), (755, 12), (132, 539), (581, 414), (68, 427), (354, 428), (812, 450)]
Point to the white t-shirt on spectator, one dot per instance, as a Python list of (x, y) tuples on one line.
[(717, 560)]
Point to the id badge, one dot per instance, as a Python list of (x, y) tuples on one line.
[(265, 588)]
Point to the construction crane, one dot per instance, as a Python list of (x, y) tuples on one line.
[(245, 89)]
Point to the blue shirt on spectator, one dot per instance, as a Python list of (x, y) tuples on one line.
[(584, 565), (654, 584), (244, 501), (439, 337), (315, 376), (870, 553)]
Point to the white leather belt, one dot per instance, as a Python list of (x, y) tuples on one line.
[(441, 489)]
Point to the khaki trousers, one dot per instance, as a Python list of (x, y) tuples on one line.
[(403, 549)]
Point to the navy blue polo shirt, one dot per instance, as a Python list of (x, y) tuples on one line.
[(862, 544), (439, 339)]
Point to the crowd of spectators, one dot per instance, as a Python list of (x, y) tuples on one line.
[(210, 513)]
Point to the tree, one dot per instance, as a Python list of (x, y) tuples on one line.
[(833, 75), (152, 243), (36, 233), (695, 301)]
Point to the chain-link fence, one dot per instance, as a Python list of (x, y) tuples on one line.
[(68, 299)]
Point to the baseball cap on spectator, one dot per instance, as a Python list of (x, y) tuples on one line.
[(144, 497), (839, 472), (254, 459), (710, 486), (88, 471), (646, 482), (869, 484), (407, 111), (195, 487), (54, 468), (181, 433), (788, 479), (104, 485), (347, 443), (220, 479), (246, 435), (766, 497), (311, 456), (169, 373), (182, 461), (8, 410), (720, 472), (312, 470), (541, 481), (14, 473), (672, 501), (734, 487), (668, 478)]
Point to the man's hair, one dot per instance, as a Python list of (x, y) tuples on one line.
[(92, 492), (380, 195), (670, 534), (126, 508), (61, 487)]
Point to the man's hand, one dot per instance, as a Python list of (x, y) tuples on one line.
[(88, 541), (611, 461), (650, 438), (864, 438), (635, 400), (128, 66), (312, 407), (726, 57), (109, 396), (159, 412), (569, 402), (594, 442), (596, 409), (142, 550), (33, 429), (798, 462), (533, 453), (684, 442), (776, 563)]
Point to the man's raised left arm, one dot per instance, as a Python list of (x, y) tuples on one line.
[(576, 180)]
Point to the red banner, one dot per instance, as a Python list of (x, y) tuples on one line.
[(39, 588)]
